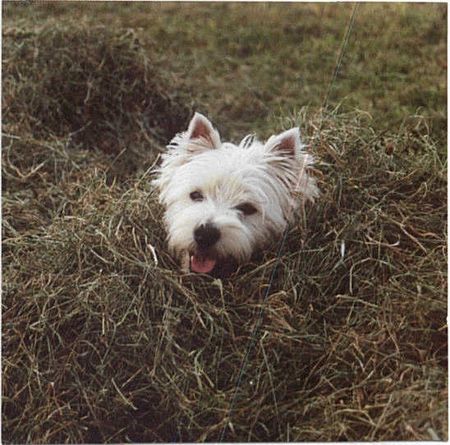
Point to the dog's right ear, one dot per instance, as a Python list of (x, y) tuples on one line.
[(201, 135)]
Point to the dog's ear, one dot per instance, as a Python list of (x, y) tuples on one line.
[(201, 135), (287, 143), (290, 163)]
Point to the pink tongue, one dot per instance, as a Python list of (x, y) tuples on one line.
[(202, 264)]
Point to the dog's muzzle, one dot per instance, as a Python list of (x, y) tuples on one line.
[(204, 260), (206, 235)]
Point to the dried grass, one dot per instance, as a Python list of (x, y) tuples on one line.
[(97, 87)]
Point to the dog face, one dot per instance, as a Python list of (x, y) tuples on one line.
[(224, 201)]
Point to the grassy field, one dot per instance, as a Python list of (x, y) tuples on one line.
[(104, 340)]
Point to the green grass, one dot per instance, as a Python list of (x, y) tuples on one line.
[(104, 343)]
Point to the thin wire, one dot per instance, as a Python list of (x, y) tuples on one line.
[(259, 317), (255, 331), (341, 54)]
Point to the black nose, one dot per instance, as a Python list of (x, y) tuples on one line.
[(206, 235)]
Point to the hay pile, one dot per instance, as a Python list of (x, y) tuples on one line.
[(97, 88), (105, 341)]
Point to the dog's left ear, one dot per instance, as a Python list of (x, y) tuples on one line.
[(287, 143), (201, 135), (290, 163)]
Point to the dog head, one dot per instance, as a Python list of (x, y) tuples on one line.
[(224, 201)]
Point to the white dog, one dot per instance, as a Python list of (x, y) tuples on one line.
[(225, 201)]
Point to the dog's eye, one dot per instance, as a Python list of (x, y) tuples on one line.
[(196, 196), (246, 208)]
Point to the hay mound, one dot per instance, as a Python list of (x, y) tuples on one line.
[(105, 341), (94, 84)]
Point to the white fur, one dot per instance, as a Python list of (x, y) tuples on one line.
[(272, 177)]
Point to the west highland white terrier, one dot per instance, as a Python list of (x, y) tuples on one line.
[(223, 202)]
